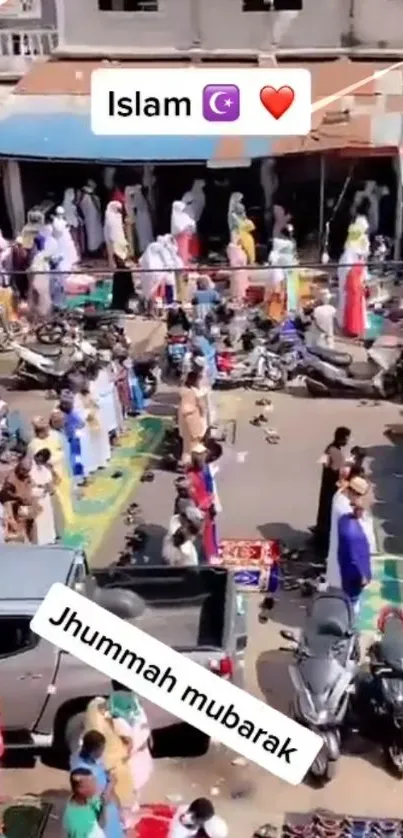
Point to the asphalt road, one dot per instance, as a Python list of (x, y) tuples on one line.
[(268, 491)]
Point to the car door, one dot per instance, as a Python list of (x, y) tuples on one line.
[(27, 666)]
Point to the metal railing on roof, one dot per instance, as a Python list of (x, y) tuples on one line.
[(19, 48)]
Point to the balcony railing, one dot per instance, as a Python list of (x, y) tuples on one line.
[(19, 48)]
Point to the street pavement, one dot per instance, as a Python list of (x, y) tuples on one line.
[(268, 491)]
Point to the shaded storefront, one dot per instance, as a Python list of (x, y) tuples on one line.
[(45, 131)]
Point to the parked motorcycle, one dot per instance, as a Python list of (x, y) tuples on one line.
[(261, 369), (149, 374), (37, 366), (323, 673), (384, 383), (378, 703), (60, 327), (177, 343)]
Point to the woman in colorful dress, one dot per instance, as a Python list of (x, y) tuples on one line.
[(355, 319), (131, 724), (203, 493)]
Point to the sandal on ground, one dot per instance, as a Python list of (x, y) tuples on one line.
[(267, 830)]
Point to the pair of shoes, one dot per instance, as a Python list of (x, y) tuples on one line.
[(272, 436)]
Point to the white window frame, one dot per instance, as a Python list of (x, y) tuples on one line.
[(15, 10), (142, 14)]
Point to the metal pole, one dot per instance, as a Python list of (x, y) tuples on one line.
[(399, 206), (322, 186)]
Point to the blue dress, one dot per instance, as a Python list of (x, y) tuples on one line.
[(112, 827)]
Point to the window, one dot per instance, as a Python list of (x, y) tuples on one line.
[(22, 8), (272, 5), (128, 5), (16, 636)]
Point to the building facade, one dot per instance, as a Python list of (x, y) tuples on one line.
[(28, 33), (169, 27)]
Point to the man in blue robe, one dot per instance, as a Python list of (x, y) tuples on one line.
[(354, 554)]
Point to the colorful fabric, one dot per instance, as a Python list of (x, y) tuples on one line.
[(202, 492), (124, 705), (72, 427), (354, 323)]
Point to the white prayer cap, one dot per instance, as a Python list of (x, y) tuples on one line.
[(216, 827), (60, 211)]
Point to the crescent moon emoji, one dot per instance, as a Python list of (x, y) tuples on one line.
[(213, 102)]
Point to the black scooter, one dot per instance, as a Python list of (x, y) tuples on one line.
[(329, 382), (378, 702)]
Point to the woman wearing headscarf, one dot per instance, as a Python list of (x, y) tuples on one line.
[(122, 284), (66, 251), (239, 282), (153, 277), (19, 268), (356, 232), (192, 413), (142, 218), (90, 208), (114, 233), (183, 227), (333, 462), (171, 246), (131, 724), (195, 201), (240, 226), (39, 280), (355, 320), (72, 218)]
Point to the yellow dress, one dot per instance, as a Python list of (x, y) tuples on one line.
[(246, 229)]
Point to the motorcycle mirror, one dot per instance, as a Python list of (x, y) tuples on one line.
[(288, 635)]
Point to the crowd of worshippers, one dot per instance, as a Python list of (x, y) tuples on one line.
[(43, 467)]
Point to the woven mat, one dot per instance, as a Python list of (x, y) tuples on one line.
[(25, 818)]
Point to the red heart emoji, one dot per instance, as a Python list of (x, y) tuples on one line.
[(277, 102)]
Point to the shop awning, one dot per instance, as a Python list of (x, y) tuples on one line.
[(47, 117)]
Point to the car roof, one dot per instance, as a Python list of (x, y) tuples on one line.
[(27, 572)]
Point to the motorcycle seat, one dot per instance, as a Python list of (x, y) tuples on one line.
[(391, 644), (330, 615), (45, 350), (331, 356)]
